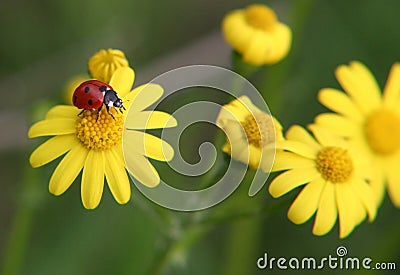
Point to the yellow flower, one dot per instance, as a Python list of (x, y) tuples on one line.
[(257, 35), (103, 64), (250, 133), (370, 120), (96, 145), (334, 179)]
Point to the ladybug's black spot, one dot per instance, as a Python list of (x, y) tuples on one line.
[(90, 102), (87, 89), (103, 88), (75, 99)]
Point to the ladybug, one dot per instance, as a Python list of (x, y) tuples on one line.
[(92, 94)]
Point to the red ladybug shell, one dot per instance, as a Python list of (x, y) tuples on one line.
[(90, 94)]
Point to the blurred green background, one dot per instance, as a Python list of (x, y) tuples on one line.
[(46, 42)]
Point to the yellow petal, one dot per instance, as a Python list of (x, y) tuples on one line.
[(259, 48), (240, 150), (393, 183), (278, 129), (297, 147), (325, 137), (298, 133), (52, 149), (350, 213), (122, 80), (142, 97), (361, 85), (63, 111), (339, 102), (338, 124), (378, 184), (243, 102), (150, 120), (291, 179), (230, 112), (237, 110), (237, 145), (233, 130), (117, 178), (51, 127), (288, 160), (148, 145), (281, 37), (255, 157), (267, 158), (358, 209), (366, 196), (140, 168), (67, 170), (306, 202), (391, 93), (327, 211), (93, 179), (236, 31)]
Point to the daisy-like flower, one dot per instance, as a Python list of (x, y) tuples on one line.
[(370, 120), (257, 35), (334, 179), (103, 64), (250, 133), (95, 144)]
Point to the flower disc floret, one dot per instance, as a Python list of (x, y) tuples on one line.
[(99, 133), (259, 129), (382, 130), (260, 17), (334, 164)]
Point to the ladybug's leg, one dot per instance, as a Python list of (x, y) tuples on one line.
[(81, 112), (98, 113), (121, 110), (108, 110)]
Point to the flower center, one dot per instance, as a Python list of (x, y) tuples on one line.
[(383, 132), (101, 134), (259, 129), (335, 164), (260, 17)]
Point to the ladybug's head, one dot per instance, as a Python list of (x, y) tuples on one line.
[(111, 99), (118, 103)]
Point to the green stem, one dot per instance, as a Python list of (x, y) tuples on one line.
[(175, 249), (21, 226), (264, 211), (276, 76)]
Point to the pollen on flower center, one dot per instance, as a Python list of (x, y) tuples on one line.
[(101, 134), (260, 17), (259, 129), (335, 164), (382, 130)]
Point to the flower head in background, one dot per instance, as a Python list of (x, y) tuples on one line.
[(257, 35), (95, 145), (370, 121), (334, 176), (250, 133), (104, 63), (101, 66)]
